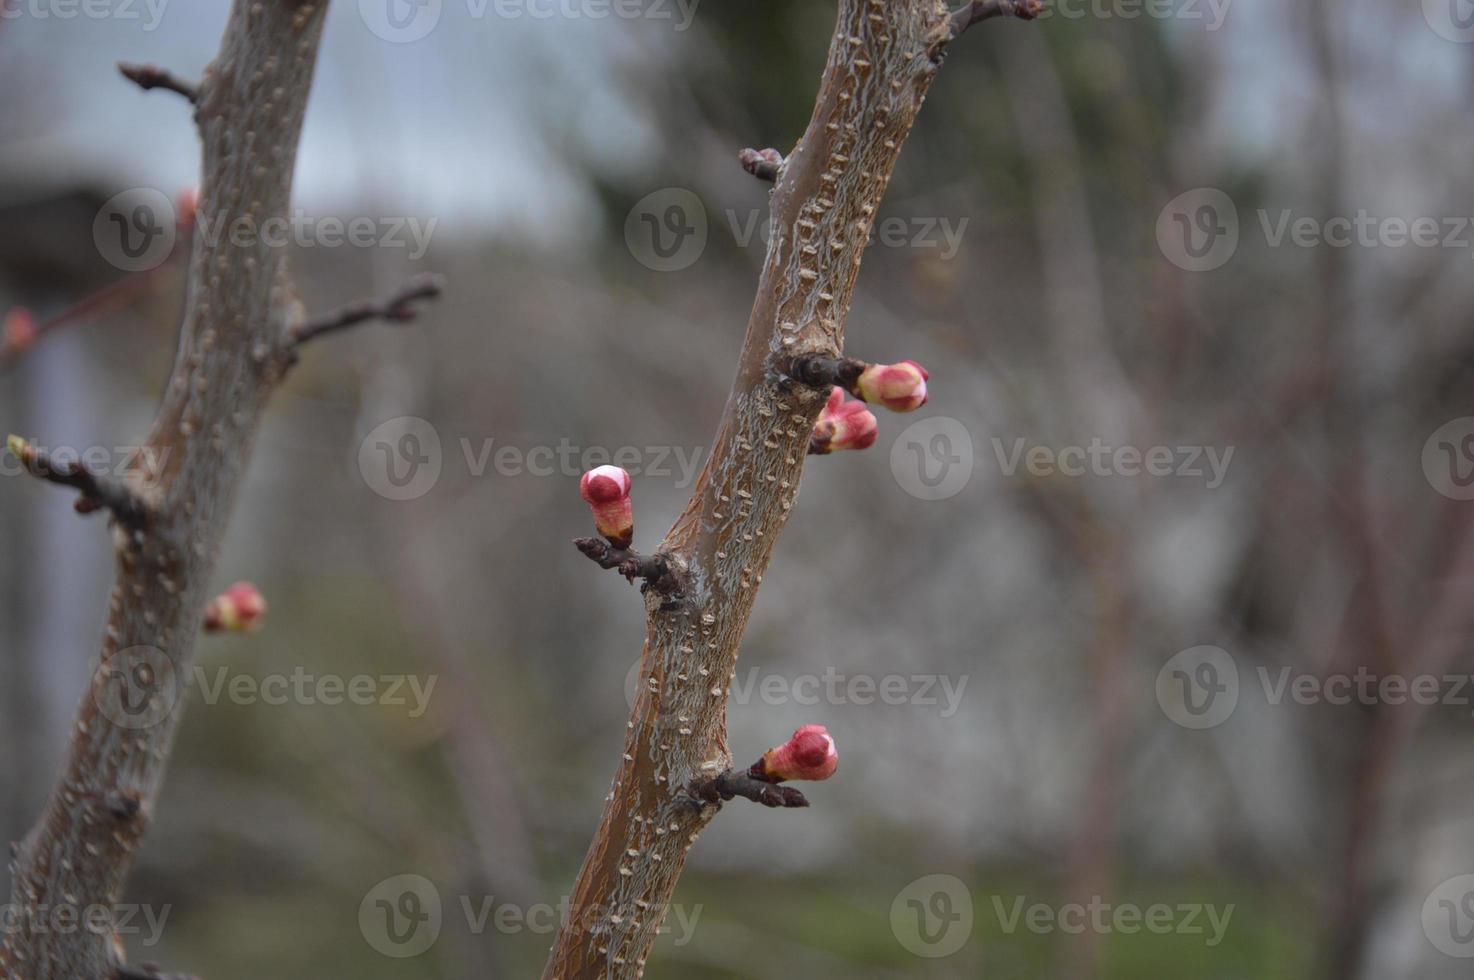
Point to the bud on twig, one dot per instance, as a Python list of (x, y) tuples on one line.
[(19, 331), (239, 609), (842, 425), (899, 387), (810, 754), (606, 489)]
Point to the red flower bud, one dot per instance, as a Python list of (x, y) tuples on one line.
[(843, 425), (185, 206), (239, 609), (809, 754), (606, 489), (899, 387), (19, 330)]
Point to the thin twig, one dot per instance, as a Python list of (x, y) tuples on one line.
[(654, 569), (98, 490), (398, 307), (731, 784), (149, 77), (977, 10)]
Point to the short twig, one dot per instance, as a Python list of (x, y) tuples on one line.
[(654, 569), (397, 307), (98, 490), (821, 370), (149, 77), (711, 789), (762, 164), (977, 10)]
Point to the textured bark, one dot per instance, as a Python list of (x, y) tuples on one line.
[(232, 352), (883, 58)]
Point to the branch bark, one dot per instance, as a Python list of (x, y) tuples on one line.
[(881, 62), (234, 349)]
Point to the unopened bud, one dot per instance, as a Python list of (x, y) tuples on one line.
[(809, 754), (606, 489), (899, 387), (239, 609), (843, 425), (19, 330)]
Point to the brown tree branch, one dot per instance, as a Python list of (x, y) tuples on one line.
[(654, 569), (232, 353), (729, 785), (880, 65), (397, 307), (149, 77)]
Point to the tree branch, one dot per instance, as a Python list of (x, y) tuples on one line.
[(149, 77), (397, 307), (880, 65), (231, 356), (979, 10), (98, 490), (725, 786)]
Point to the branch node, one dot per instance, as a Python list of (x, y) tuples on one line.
[(397, 307), (654, 569), (714, 790), (98, 490), (762, 164), (149, 77)]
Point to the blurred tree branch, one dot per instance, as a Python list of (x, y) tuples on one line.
[(241, 323)]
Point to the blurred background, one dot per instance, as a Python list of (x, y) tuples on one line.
[(1146, 643)]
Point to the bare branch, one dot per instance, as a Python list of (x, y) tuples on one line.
[(397, 307), (980, 10), (654, 569), (762, 164), (710, 789), (99, 490), (149, 77)]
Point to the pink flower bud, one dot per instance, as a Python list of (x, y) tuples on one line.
[(606, 489), (899, 387), (185, 206), (809, 754), (19, 330), (239, 609), (843, 425)]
